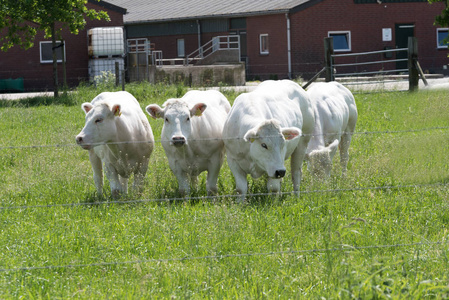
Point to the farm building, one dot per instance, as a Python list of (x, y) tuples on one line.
[(32, 69), (284, 38)]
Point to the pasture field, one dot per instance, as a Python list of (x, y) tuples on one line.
[(381, 232)]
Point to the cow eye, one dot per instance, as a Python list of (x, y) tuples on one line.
[(264, 145), (188, 119), (166, 120), (99, 120)]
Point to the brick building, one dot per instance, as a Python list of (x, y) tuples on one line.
[(34, 65), (284, 38)]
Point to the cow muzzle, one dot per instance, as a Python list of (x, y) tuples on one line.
[(279, 173), (80, 142), (178, 141)]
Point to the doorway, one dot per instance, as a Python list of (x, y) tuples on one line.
[(402, 33)]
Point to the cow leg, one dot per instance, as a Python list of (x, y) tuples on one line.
[(114, 180), (194, 181), (344, 152), (241, 181), (212, 174), (296, 164), (139, 176), (97, 169), (124, 184), (183, 183)]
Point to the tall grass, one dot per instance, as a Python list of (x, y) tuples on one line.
[(381, 232)]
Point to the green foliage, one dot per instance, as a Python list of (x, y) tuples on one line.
[(21, 19), (362, 240), (443, 19)]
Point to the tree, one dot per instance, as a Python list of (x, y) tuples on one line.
[(20, 20), (443, 19)]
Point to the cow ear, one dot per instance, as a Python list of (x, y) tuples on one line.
[(86, 107), (291, 133), (251, 135), (198, 109), (117, 110), (155, 111)]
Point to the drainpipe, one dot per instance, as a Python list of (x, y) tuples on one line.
[(199, 37), (289, 47)]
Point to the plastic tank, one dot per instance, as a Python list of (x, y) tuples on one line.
[(102, 69), (106, 41)]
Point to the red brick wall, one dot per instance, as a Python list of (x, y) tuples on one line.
[(365, 21), (274, 64), (19, 63)]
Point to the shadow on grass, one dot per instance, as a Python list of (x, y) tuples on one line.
[(64, 99)]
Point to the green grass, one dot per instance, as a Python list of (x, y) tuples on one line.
[(379, 233)]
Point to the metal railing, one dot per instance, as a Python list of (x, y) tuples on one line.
[(225, 42), (375, 62)]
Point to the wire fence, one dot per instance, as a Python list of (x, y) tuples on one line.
[(159, 141), (345, 248), (228, 196)]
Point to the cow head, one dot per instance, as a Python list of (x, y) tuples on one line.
[(268, 146), (177, 119), (319, 162), (100, 124)]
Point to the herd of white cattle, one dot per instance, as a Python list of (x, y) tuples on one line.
[(263, 128)]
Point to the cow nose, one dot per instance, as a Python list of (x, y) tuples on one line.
[(279, 173), (79, 139), (178, 140)]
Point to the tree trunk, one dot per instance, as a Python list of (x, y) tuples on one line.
[(55, 61)]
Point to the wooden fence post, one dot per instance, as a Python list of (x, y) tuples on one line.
[(413, 73), (328, 60)]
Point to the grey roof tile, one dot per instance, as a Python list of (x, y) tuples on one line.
[(142, 11)]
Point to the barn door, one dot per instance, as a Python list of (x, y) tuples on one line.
[(402, 33)]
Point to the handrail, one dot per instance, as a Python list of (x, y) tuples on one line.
[(214, 45)]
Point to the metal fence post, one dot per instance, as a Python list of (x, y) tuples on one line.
[(413, 73), (328, 61), (117, 74)]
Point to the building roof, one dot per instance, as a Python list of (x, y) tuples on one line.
[(145, 11), (108, 5)]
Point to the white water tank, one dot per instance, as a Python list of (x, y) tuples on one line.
[(106, 41), (102, 68)]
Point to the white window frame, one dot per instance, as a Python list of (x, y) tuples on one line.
[(438, 42), (264, 50), (47, 61), (348, 36), (181, 47)]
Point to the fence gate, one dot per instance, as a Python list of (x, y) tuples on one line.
[(372, 67)]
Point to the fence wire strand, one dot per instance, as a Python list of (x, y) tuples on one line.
[(343, 247), (135, 201), (216, 139)]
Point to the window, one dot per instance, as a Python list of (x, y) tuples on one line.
[(181, 47), (442, 33), (264, 44), (342, 40), (47, 53)]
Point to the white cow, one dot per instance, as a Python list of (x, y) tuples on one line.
[(118, 135), (263, 129), (192, 136), (335, 119)]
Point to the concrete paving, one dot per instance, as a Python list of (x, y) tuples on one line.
[(355, 85)]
